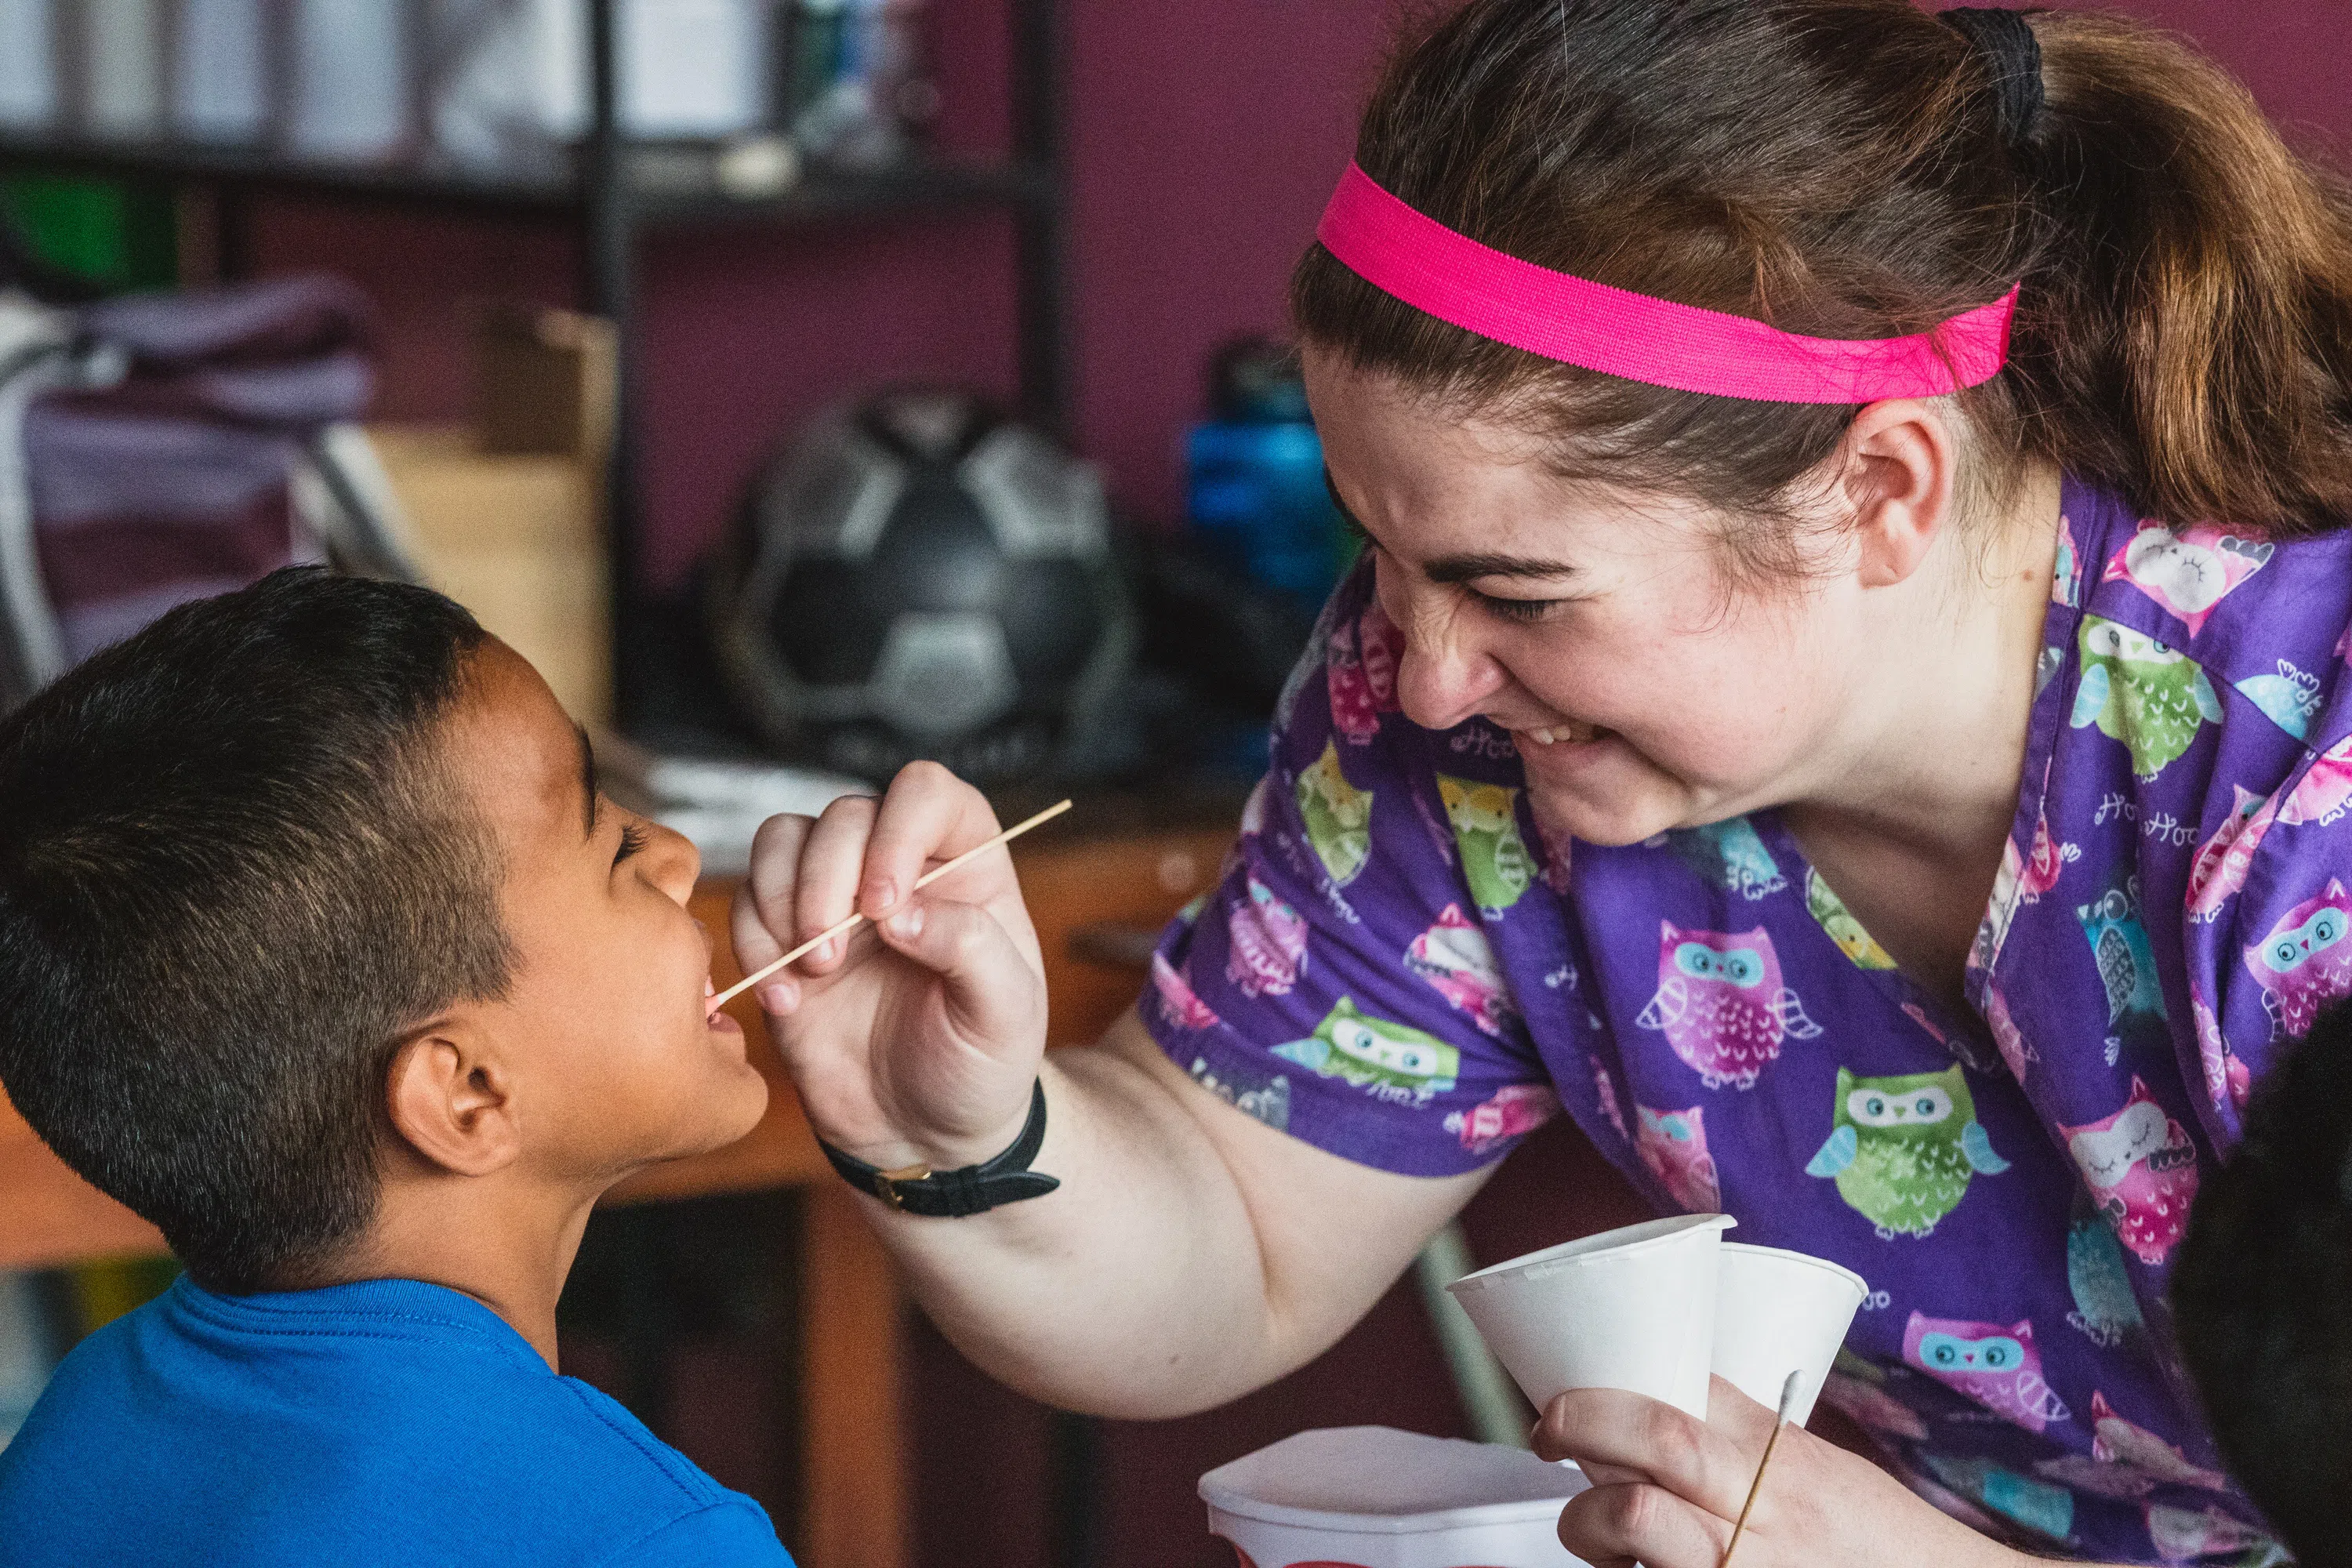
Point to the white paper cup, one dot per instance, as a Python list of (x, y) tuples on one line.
[(1777, 1312), (1630, 1309), (1369, 1497)]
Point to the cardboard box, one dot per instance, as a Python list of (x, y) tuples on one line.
[(517, 540)]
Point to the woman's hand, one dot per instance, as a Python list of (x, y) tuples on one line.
[(1668, 1486), (918, 1047)]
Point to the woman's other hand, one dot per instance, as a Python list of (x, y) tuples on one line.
[(1667, 1487), (918, 1046)]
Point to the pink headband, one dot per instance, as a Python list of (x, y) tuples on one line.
[(1451, 277)]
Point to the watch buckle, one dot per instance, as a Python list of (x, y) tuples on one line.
[(886, 1182)]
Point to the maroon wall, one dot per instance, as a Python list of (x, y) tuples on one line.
[(1202, 138)]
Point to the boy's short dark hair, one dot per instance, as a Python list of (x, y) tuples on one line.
[(231, 873), (2263, 1293)]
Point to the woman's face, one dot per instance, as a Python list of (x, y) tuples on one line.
[(1644, 689)]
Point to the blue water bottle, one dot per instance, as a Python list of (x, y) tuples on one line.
[(1254, 479)]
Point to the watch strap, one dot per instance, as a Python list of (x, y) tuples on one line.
[(969, 1190)]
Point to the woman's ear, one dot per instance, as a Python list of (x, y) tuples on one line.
[(452, 1101), (1899, 472)]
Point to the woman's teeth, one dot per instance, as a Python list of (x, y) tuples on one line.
[(1568, 731)]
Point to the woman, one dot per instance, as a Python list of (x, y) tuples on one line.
[(1875, 761)]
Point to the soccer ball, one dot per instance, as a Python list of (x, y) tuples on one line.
[(917, 577)]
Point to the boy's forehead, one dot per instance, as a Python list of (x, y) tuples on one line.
[(517, 754)]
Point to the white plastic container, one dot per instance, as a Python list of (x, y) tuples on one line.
[(1371, 1496), (1631, 1309), (1777, 1312)]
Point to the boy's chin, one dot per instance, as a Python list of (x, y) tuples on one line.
[(736, 1103)]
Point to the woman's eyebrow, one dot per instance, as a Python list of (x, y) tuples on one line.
[(1453, 569), (1463, 568)]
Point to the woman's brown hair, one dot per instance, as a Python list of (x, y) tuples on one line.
[(1845, 169)]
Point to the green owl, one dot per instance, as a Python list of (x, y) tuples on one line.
[(1339, 818), (1904, 1149), (1487, 830), (1831, 912), (2150, 697), (1392, 1059)]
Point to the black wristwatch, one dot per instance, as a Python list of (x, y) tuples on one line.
[(918, 1189)]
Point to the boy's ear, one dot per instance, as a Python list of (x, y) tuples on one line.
[(452, 1101)]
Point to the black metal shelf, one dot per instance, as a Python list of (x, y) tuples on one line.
[(666, 184)]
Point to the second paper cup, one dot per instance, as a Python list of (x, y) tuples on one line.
[(1631, 1309), (1777, 1312)]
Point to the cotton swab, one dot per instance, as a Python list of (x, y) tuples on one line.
[(855, 920), (1788, 1403)]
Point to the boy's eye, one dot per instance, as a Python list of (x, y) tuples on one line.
[(632, 838)]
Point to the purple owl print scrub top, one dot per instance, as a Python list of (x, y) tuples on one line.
[(1397, 968)]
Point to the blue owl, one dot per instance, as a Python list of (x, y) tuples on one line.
[(2106, 1307), (1730, 856), (2126, 957)]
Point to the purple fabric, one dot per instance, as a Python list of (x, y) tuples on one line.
[(1397, 969)]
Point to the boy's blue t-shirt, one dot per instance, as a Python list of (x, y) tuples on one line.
[(387, 1422)]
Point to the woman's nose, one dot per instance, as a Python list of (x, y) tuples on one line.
[(1444, 678)]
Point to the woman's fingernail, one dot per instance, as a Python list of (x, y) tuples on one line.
[(778, 996), (880, 896), (908, 923), (823, 954)]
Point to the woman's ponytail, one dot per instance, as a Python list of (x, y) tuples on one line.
[(2189, 336)]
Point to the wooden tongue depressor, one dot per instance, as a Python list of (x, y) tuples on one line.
[(1788, 1403), (855, 920)]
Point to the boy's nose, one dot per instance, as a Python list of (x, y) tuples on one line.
[(672, 862)]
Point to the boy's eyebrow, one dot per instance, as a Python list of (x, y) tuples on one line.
[(1451, 569), (587, 777)]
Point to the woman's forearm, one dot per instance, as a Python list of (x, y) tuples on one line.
[(1148, 1284)]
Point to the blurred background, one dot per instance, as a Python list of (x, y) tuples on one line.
[(805, 386)]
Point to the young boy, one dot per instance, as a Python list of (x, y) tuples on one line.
[(2263, 1294), (319, 949)]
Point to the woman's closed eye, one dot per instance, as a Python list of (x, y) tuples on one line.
[(1520, 612), (632, 838)]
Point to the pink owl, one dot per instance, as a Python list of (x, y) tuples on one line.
[(2038, 872), (1266, 943), (2221, 863), (1455, 957), (2326, 786), (1721, 1004), (2227, 1082), (1512, 1111), (2014, 1050), (1673, 1143), (1355, 712), (1998, 1367), (1382, 648), (1607, 1090), (2141, 1169), (2304, 962), (2188, 572), (1184, 1009)]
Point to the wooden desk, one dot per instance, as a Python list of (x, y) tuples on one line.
[(853, 1452)]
